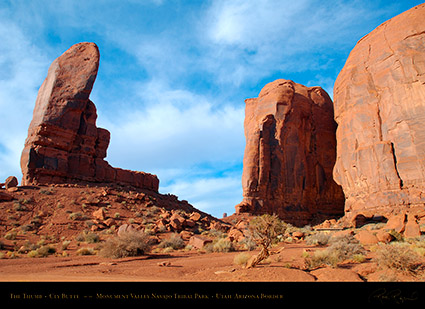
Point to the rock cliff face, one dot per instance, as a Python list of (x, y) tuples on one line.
[(290, 154), (63, 143), (379, 99)]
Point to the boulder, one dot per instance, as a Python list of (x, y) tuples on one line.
[(366, 238), (5, 197), (99, 214), (396, 223), (412, 228), (64, 145), (125, 228), (109, 222), (380, 110), (290, 154), (185, 235), (198, 242), (235, 235), (11, 182), (195, 216), (384, 236)]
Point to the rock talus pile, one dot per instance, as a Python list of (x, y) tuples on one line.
[(64, 144)]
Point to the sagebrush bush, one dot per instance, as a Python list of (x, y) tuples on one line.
[(127, 244), (89, 237), (318, 239), (223, 245), (340, 248), (345, 247), (241, 259), (85, 251), (397, 256), (175, 242)]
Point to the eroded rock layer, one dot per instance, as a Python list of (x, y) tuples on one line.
[(290, 154), (63, 143), (379, 99)]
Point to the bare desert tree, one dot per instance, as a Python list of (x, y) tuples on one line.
[(264, 230)]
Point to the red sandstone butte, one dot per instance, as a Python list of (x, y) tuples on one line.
[(379, 99), (290, 153), (63, 144)]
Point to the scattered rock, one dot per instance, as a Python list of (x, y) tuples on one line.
[(195, 216), (109, 222), (412, 228), (396, 222), (384, 236), (125, 228), (186, 235), (11, 182), (99, 214), (235, 235), (298, 234), (164, 264), (4, 197), (198, 242), (366, 238)]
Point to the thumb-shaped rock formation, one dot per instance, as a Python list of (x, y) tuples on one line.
[(63, 144), (290, 153), (379, 101)]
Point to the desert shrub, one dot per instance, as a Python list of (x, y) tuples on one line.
[(248, 244), (127, 244), (397, 256), (320, 258), (175, 242), (223, 245), (46, 191), (42, 251), (76, 216), (88, 237), (85, 251), (318, 239), (340, 248), (241, 259), (396, 235), (19, 207), (359, 258), (11, 235), (345, 247), (65, 244)]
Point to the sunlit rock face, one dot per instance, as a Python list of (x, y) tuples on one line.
[(64, 144), (379, 99), (290, 154)]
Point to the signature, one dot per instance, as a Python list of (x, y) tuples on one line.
[(393, 296)]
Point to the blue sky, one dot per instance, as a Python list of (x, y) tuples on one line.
[(174, 75)]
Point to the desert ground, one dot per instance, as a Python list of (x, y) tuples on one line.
[(56, 233)]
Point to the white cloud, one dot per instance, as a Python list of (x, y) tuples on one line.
[(22, 65), (177, 128), (214, 195)]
